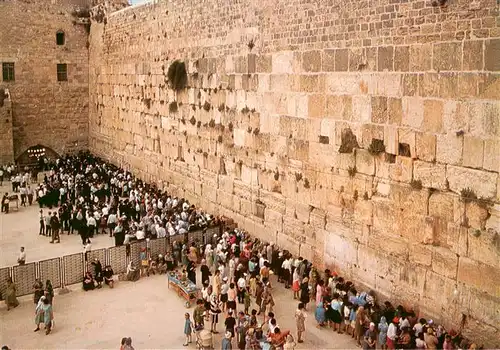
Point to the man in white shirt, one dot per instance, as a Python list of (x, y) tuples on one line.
[(92, 224), (161, 232), (287, 271), (21, 260), (242, 286)]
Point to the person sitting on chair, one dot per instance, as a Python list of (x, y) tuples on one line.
[(108, 276), (88, 282)]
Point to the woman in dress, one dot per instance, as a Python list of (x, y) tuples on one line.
[(10, 295), (296, 284), (48, 315), (319, 314), (320, 289), (39, 313), (382, 335), (300, 319)]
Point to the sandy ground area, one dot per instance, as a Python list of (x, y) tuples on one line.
[(146, 310)]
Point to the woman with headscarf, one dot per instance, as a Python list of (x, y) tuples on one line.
[(48, 315), (10, 294), (382, 335)]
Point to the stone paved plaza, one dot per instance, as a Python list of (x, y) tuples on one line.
[(145, 310)]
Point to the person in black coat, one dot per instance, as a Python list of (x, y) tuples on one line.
[(205, 273), (191, 271), (304, 292), (98, 272)]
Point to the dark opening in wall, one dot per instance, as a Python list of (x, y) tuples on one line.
[(404, 150), (60, 38)]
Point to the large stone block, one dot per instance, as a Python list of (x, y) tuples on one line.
[(420, 254), (282, 62), (491, 155), (341, 60), (365, 162), (483, 183), (386, 58), (311, 61), (432, 175), (433, 116), (473, 55), (361, 108), (401, 170), (480, 276), (339, 107), (447, 56), (425, 146), (420, 58), (413, 112), (444, 262), (449, 149), (473, 152), (491, 54)]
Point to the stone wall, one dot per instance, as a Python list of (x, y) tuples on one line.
[(286, 99), (46, 112), (6, 141)]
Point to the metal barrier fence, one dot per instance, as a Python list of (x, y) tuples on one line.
[(70, 269)]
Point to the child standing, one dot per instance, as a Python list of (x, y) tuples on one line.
[(188, 329)]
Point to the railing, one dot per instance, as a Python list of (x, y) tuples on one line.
[(70, 269)]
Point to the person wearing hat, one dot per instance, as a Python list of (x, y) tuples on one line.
[(304, 292)]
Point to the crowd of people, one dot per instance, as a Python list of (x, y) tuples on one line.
[(94, 197)]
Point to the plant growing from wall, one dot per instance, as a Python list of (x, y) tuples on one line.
[(352, 171), (376, 147), (298, 177), (172, 107), (245, 110), (467, 195), (147, 102), (416, 184), (177, 75), (3, 96), (192, 120), (230, 126), (206, 106), (222, 107), (306, 183), (348, 141)]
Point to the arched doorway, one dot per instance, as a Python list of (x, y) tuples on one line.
[(35, 156)]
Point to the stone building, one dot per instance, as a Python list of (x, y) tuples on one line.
[(363, 135), (44, 58)]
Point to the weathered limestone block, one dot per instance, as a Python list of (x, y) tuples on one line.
[(209, 193), (483, 247), (425, 146), (433, 116), (477, 215), (402, 170), (273, 201), (481, 276), (340, 251), (282, 62), (274, 219), (302, 211), (420, 254), (491, 156), (361, 108), (343, 84), (482, 182), (449, 149), (365, 162), (432, 175), (391, 139), (444, 262), (420, 58), (311, 61), (225, 199), (484, 118), (317, 219), (408, 136), (293, 227), (413, 112), (473, 152)]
